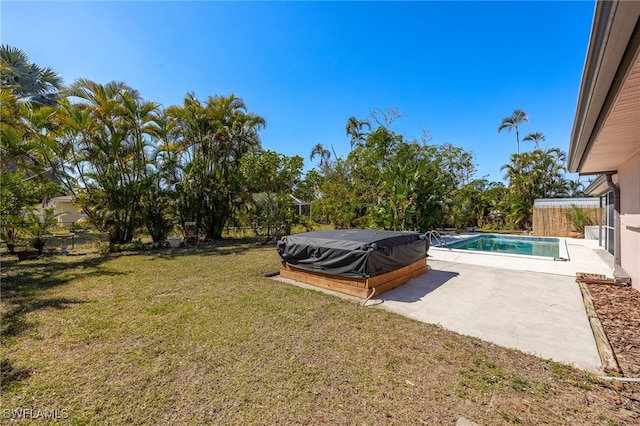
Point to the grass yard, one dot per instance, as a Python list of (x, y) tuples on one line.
[(198, 336)]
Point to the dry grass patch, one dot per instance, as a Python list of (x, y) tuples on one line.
[(197, 336)]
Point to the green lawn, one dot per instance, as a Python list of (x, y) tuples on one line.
[(198, 336)]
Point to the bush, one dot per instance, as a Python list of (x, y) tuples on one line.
[(132, 246)]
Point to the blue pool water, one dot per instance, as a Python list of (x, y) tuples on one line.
[(528, 246)]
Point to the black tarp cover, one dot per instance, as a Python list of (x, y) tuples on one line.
[(353, 253)]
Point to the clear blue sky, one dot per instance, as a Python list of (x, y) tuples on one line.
[(454, 68)]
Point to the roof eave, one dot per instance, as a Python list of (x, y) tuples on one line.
[(604, 70)]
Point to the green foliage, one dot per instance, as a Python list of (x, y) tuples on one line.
[(39, 225), (270, 178), (579, 217), (337, 202), (134, 167), (26, 149), (109, 129), (131, 246), (389, 183), (19, 197)]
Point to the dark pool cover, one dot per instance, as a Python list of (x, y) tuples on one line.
[(353, 253)]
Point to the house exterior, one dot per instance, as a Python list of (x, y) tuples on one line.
[(67, 211), (605, 140)]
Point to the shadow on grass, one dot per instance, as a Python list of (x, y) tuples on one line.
[(24, 283), (10, 376), (211, 248), (14, 323)]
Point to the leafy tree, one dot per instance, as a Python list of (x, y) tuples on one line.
[(480, 203), (457, 163), (400, 184), (575, 188), (19, 196), (338, 195), (308, 188), (390, 183), (513, 122), (270, 179)]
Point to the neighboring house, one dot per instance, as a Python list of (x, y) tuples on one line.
[(301, 206), (606, 132), (67, 211)]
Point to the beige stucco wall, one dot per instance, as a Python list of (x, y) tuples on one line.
[(69, 212), (629, 182)]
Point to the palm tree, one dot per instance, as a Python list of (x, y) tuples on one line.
[(321, 151), (575, 188), (354, 128), (209, 139), (109, 132), (535, 138), (28, 81), (513, 122)]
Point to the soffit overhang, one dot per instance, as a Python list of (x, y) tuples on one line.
[(606, 131)]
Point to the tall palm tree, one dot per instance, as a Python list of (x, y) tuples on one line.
[(28, 81), (321, 151), (513, 122), (535, 138), (355, 129)]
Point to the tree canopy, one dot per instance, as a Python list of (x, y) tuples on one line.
[(135, 167)]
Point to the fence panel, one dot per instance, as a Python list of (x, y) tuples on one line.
[(551, 221)]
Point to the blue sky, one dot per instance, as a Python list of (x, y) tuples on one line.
[(454, 68)]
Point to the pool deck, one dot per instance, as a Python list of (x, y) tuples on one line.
[(532, 305), (583, 257)]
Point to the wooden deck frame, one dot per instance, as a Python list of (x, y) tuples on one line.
[(359, 287)]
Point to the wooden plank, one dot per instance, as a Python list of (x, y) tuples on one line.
[(389, 276), (355, 282), (580, 276), (324, 282), (358, 287), (398, 281), (588, 278), (607, 356)]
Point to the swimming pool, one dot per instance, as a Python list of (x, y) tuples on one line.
[(545, 247)]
